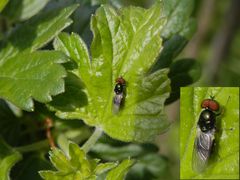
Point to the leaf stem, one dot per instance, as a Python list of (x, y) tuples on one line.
[(33, 147), (92, 140)]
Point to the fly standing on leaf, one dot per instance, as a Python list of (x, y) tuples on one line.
[(119, 91), (206, 129)]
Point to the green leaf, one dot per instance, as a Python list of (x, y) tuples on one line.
[(36, 75), (183, 72), (224, 162), (75, 48), (74, 166), (120, 171), (125, 44), (73, 97), (10, 125), (3, 3), (19, 10), (179, 22), (36, 32), (101, 168), (150, 166), (28, 168), (108, 152), (8, 158), (171, 48)]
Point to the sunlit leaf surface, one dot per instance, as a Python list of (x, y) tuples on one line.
[(125, 43)]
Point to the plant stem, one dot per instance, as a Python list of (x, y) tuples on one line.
[(92, 140), (33, 147)]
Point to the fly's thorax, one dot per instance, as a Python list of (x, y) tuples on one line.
[(207, 120), (118, 89)]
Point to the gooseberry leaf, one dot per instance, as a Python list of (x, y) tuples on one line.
[(36, 32), (3, 3), (29, 76), (8, 158), (183, 72), (105, 151), (23, 9), (120, 171), (74, 95), (125, 43), (75, 165), (112, 153), (150, 166), (224, 163), (29, 166), (178, 13), (171, 48)]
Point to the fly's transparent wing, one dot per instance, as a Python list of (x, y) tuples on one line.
[(117, 100), (202, 149)]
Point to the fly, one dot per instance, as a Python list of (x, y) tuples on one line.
[(119, 91), (206, 128)]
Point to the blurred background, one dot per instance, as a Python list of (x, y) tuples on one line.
[(215, 44)]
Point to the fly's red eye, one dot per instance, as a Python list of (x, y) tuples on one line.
[(210, 104), (205, 103), (213, 105), (120, 80)]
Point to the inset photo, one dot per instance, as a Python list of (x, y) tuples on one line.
[(209, 133)]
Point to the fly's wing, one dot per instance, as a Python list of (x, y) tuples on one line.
[(202, 149), (117, 100)]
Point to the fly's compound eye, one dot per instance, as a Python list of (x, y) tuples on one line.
[(210, 104)]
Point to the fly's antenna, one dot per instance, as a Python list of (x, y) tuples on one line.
[(212, 97), (227, 100), (228, 129), (225, 105), (214, 93)]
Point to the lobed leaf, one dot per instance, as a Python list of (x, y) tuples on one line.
[(120, 152), (171, 48), (75, 166), (73, 97), (19, 10), (125, 43), (36, 32), (183, 72), (224, 162), (37, 75), (8, 158), (150, 166), (101, 168), (107, 152), (28, 167), (120, 171), (179, 22)]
